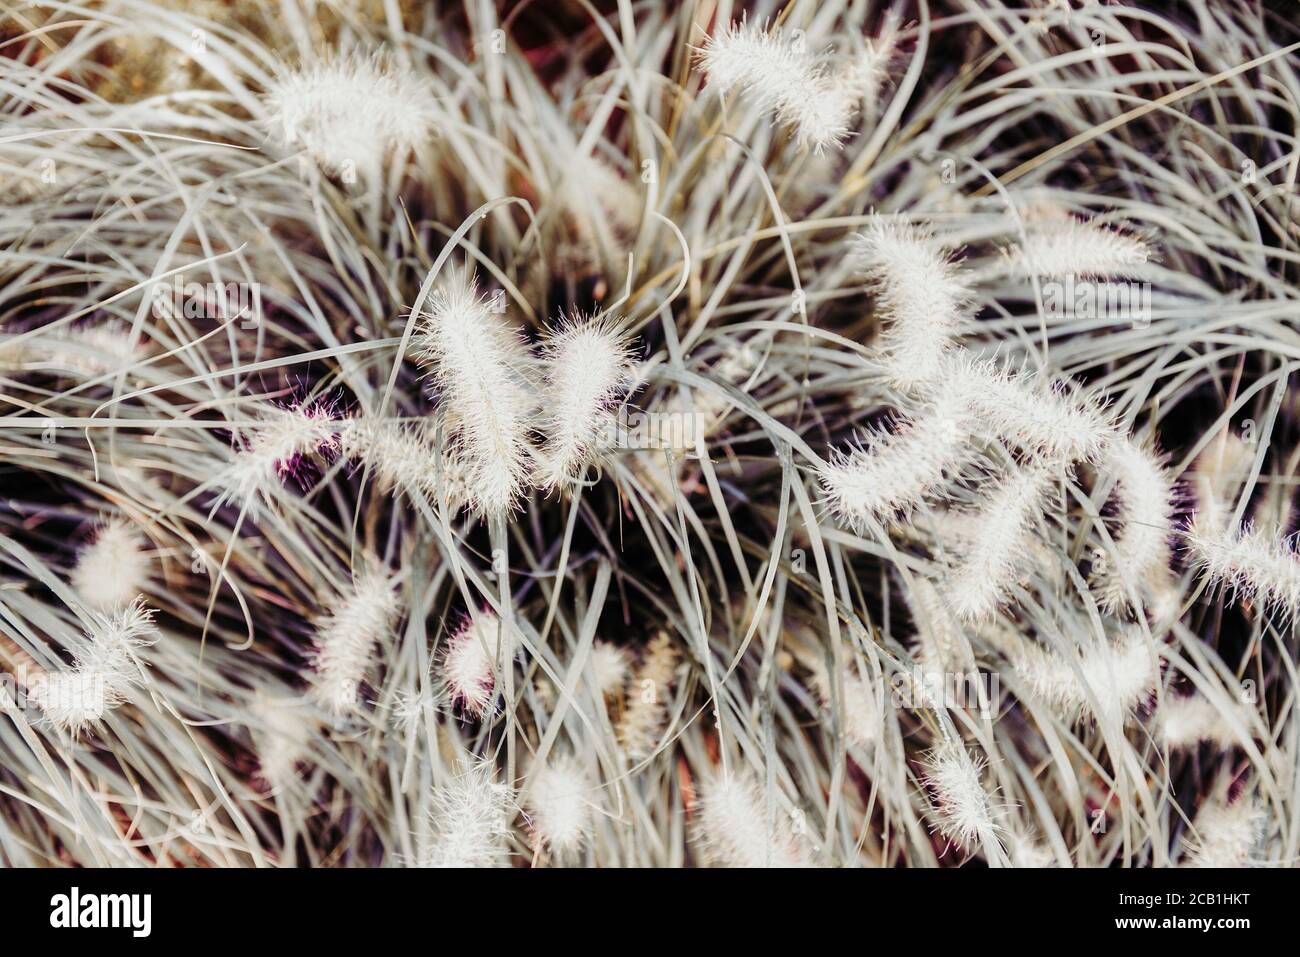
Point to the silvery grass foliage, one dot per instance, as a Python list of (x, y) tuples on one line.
[(837, 434)]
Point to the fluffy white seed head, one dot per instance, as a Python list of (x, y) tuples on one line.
[(1057, 248), (346, 639), (962, 810), (479, 364), (862, 702), (91, 349), (609, 668), (775, 73), (353, 112), (113, 569), (104, 669), (1106, 680), (738, 827), (275, 449), (922, 295), (470, 821), (403, 459), (588, 367), (74, 700), (1039, 414), (1186, 721), (992, 558), (559, 807), (1144, 515), (1027, 851), (1226, 834), (281, 729), (1248, 565), (892, 472), (869, 68), (475, 656)]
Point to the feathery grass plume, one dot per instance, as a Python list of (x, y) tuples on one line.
[(474, 656), (1248, 565), (890, 473), (281, 729), (1027, 851), (922, 294), (403, 459), (646, 707), (350, 113), (558, 806), (609, 667), (1225, 833), (113, 569), (1039, 414), (736, 828), (1218, 474), (90, 350), (862, 702), (869, 68), (1057, 248), (993, 555), (588, 366), (1145, 508), (1108, 680), (276, 448), (776, 74), (346, 638), (471, 821), (104, 670), (479, 365), (961, 811), (1186, 721)]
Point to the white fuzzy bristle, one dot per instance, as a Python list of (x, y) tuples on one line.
[(922, 295), (736, 827), (862, 702), (775, 73), (1060, 247), (351, 113), (479, 365), (113, 569), (1144, 514), (1217, 477), (1225, 834), (91, 349), (276, 446), (471, 821), (105, 668), (999, 540), (474, 657), (1037, 413), (1248, 565), (282, 732), (346, 639), (962, 809), (609, 668), (1186, 721), (892, 472), (403, 459), (1108, 680), (559, 807), (587, 369)]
